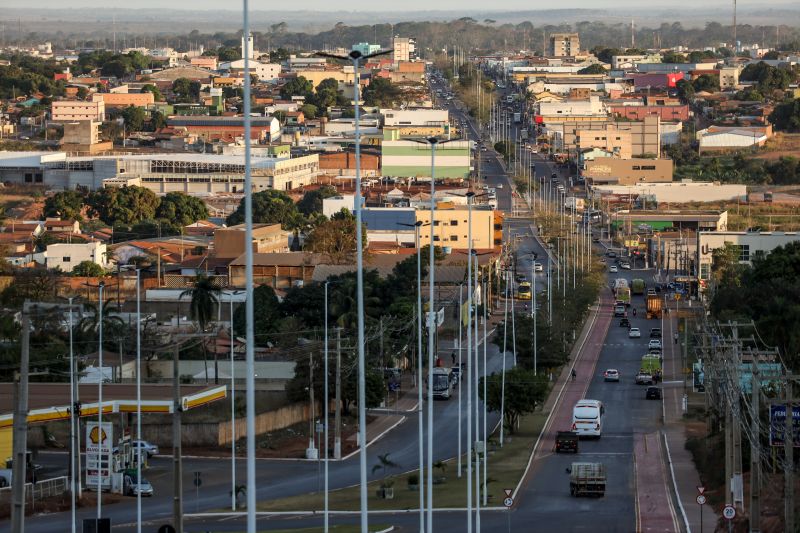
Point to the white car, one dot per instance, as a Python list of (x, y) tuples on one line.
[(654, 343), (499, 185), (625, 265), (634, 333), (613, 269), (537, 267), (611, 375)]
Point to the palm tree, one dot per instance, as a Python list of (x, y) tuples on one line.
[(113, 326), (204, 299)]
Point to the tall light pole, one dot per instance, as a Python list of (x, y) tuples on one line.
[(138, 401), (470, 367), (421, 426), (355, 56), (433, 141), (99, 466), (231, 335), (326, 407), (73, 451), (250, 383)]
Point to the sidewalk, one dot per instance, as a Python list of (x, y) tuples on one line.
[(686, 478)]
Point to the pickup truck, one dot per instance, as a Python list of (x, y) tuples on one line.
[(587, 479)]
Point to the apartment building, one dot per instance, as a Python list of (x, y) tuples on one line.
[(645, 134), (410, 159), (612, 140), (123, 100), (75, 110), (404, 49), (564, 44), (627, 171)]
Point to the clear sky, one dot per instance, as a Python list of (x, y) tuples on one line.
[(408, 6)]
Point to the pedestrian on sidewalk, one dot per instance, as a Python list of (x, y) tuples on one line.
[(574, 375), (453, 357)]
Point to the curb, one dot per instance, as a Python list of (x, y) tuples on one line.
[(675, 485)]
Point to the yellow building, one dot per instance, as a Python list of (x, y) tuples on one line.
[(612, 140), (451, 226)]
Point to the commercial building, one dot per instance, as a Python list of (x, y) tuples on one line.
[(630, 61), (645, 134), (451, 226), (66, 257), (123, 100), (277, 270), (404, 49), (685, 191), (667, 113), (334, 204), (264, 71), (229, 243), (627, 171), (564, 44), (409, 159), (74, 110), (366, 48), (721, 139), (263, 129), (751, 245), (198, 174), (418, 123), (629, 221), (27, 167)]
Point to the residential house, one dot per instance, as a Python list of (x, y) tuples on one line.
[(66, 257)]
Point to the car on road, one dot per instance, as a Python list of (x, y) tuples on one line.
[(619, 310), (613, 269), (499, 185), (634, 333), (587, 418), (595, 239), (654, 343), (625, 265), (611, 374), (132, 488), (611, 254), (520, 278), (655, 333), (537, 267), (653, 393), (625, 323), (651, 292), (644, 378)]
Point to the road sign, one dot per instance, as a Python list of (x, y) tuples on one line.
[(777, 416), (701, 499), (197, 480), (700, 489), (508, 502), (166, 528), (508, 492), (729, 512)]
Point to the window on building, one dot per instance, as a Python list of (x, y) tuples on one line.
[(705, 270), (759, 254), (453, 237), (454, 222), (435, 222), (66, 259), (435, 237), (744, 252)]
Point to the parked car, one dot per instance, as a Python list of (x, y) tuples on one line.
[(613, 269), (611, 375), (653, 393), (644, 378), (654, 343), (655, 333), (634, 333)]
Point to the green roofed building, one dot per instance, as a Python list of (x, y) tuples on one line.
[(410, 159)]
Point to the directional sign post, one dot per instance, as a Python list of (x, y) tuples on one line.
[(508, 501), (701, 501), (729, 513)]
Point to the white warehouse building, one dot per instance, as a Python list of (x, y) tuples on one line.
[(751, 245)]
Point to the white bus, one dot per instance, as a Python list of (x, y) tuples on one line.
[(442, 383), (587, 418)]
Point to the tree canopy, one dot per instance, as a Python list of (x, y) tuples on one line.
[(64, 204), (88, 269), (786, 116), (524, 392), (127, 205), (298, 86), (381, 92), (312, 200), (181, 208), (269, 207)]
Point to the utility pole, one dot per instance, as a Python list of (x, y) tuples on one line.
[(788, 461), (20, 441), (755, 452), (177, 473), (337, 440)]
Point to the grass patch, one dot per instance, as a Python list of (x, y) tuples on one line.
[(505, 468)]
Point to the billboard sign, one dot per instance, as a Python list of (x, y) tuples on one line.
[(777, 424), (99, 442)]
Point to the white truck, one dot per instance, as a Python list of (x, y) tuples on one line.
[(572, 203)]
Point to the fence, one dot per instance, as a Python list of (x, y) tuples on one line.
[(266, 422), (38, 491)]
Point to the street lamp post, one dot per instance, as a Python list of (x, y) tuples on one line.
[(73, 451), (138, 401), (231, 335), (355, 57), (417, 226), (433, 141), (326, 407), (99, 465)]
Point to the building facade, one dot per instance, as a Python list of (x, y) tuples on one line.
[(123, 100), (229, 243), (751, 245), (404, 49), (66, 257), (564, 44), (409, 159), (628, 171), (451, 227), (75, 110)]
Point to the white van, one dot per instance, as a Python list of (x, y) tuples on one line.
[(587, 418)]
